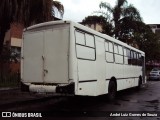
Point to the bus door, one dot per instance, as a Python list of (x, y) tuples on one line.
[(33, 50)]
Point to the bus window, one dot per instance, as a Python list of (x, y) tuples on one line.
[(134, 60), (132, 57), (120, 50), (139, 59), (85, 53), (118, 54), (116, 49), (85, 46), (80, 38), (129, 56), (107, 46), (89, 40), (110, 47), (109, 53), (125, 56)]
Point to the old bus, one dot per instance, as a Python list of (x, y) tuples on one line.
[(68, 58)]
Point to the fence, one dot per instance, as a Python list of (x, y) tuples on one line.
[(10, 80)]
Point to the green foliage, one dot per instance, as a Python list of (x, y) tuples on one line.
[(120, 12), (25, 12), (148, 42), (127, 26), (106, 26), (7, 56)]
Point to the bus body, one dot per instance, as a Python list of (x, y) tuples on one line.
[(68, 58)]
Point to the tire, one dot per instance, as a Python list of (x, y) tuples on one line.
[(24, 88), (112, 89), (139, 84)]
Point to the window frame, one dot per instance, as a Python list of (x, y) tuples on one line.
[(81, 31), (109, 51), (122, 55)]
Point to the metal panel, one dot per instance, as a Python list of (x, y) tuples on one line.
[(100, 66), (33, 52), (56, 55), (86, 70)]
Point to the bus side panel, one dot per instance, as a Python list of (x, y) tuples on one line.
[(102, 87), (86, 63), (119, 75), (87, 81), (73, 75), (87, 88)]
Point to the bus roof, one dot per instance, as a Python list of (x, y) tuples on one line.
[(84, 28)]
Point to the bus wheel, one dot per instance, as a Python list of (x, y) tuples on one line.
[(112, 89), (139, 83)]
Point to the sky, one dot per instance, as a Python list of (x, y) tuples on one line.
[(77, 10)]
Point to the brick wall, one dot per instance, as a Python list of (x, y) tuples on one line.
[(16, 30), (14, 67)]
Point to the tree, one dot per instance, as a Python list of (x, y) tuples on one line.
[(26, 12), (106, 26), (120, 12), (129, 28), (148, 42), (124, 22)]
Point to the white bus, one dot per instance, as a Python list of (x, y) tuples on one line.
[(68, 58)]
